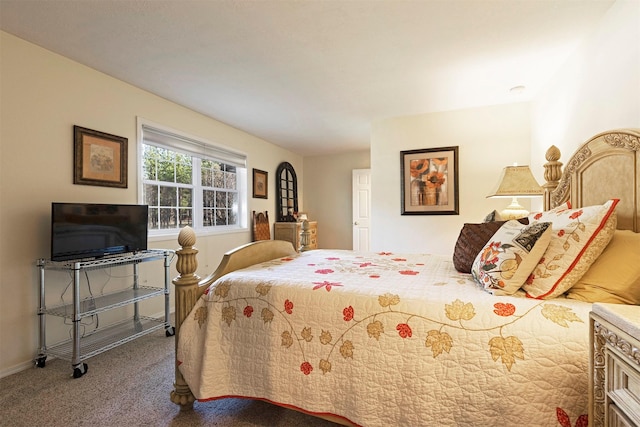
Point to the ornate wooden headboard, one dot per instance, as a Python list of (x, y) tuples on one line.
[(605, 167)]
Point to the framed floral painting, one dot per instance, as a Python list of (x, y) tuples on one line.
[(429, 181)]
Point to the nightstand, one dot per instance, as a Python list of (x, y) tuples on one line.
[(290, 231), (614, 374)]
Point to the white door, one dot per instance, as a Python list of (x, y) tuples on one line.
[(361, 209)]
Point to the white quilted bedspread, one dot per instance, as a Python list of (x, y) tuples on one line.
[(387, 340)]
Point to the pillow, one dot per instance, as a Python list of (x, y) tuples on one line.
[(615, 276), (579, 237), (471, 240), (539, 216), (492, 216), (507, 259)]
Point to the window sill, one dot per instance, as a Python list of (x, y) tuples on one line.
[(173, 234)]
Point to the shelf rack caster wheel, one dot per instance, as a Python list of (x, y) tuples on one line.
[(79, 370), (170, 331), (40, 361)]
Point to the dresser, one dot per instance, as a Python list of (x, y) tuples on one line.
[(290, 231), (614, 377)]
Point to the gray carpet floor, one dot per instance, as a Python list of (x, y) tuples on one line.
[(126, 386)]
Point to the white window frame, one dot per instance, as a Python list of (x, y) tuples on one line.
[(175, 140)]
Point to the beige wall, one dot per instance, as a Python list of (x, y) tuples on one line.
[(42, 96), (598, 89), (488, 138), (327, 181)]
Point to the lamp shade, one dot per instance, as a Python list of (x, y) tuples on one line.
[(517, 181)]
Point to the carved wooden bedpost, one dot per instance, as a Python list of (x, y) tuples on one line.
[(552, 174), (186, 287)]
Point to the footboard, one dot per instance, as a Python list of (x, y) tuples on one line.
[(189, 287)]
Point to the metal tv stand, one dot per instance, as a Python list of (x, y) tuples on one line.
[(81, 347)]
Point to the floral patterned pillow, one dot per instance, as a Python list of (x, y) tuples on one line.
[(540, 216), (579, 236), (508, 258)]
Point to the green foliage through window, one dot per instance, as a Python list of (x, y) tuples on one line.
[(180, 188)]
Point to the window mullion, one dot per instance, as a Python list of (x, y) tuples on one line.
[(197, 193)]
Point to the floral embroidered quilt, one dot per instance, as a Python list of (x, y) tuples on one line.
[(384, 339)]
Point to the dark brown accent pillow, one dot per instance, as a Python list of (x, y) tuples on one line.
[(471, 240)]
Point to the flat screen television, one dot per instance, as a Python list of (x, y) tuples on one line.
[(89, 230)]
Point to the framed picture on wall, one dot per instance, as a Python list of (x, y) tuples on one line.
[(99, 158), (260, 184), (429, 181)]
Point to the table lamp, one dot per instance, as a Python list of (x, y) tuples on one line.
[(516, 181)]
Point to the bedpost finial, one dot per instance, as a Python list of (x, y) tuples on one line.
[(552, 175), (553, 154), (187, 237)]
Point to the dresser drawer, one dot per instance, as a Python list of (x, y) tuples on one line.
[(617, 418), (623, 386), (614, 374)]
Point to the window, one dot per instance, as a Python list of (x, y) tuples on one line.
[(186, 181)]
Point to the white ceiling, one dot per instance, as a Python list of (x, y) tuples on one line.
[(313, 75)]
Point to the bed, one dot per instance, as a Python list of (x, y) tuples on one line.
[(378, 339)]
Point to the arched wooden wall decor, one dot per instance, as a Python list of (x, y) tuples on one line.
[(287, 192)]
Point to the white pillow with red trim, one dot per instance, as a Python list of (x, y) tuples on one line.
[(578, 237)]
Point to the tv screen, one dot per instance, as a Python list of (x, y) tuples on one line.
[(85, 230)]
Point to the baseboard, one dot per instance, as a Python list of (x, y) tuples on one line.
[(17, 368)]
